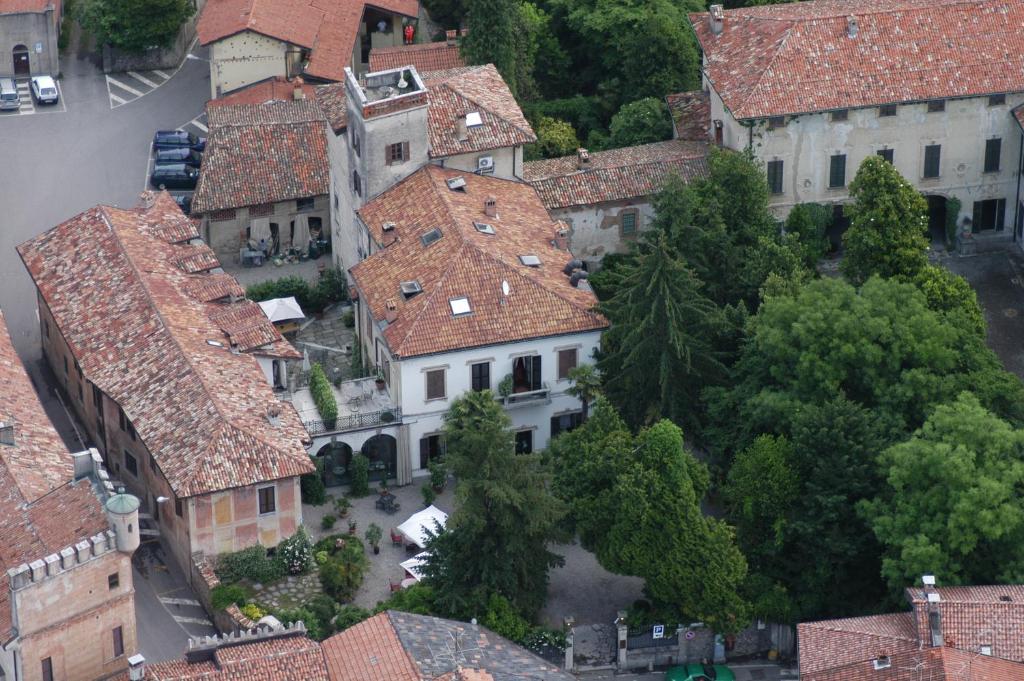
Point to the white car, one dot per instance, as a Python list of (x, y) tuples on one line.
[(44, 90)]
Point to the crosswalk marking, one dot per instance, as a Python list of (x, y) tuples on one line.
[(179, 601), (138, 76), (161, 74), (121, 85), (199, 125), (192, 620), (118, 99)]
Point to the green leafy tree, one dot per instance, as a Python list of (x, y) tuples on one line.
[(759, 493), (135, 25), (554, 138), (810, 222), (496, 541), (659, 350), (446, 13), (584, 384), (951, 295), (492, 37), (888, 222), (640, 122), (952, 504)]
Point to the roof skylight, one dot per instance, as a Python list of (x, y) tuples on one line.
[(484, 228), (530, 260), (460, 306), (410, 288), (473, 119), (431, 236), (456, 183)]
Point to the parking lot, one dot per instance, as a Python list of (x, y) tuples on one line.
[(28, 103)]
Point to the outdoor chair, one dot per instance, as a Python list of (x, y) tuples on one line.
[(394, 586), (396, 538), (412, 549)]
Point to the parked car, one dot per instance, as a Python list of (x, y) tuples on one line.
[(10, 100), (185, 155), (174, 139), (177, 176), (44, 90), (700, 672), (184, 203)]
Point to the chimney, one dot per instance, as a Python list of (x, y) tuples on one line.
[(274, 416), (934, 612), (462, 132), (136, 667), (582, 158), (851, 26), (716, 15), (491, 207), (451, 37)]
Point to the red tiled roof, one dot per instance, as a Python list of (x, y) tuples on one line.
[(17, 6), (466, 262), (41, 510), (974, 615), (329, 28), (798, 57), (331, 99), (929, 664), (262, 153), (369, 651), (124, 308), (834, 643), (455, 92), (691, 115), (282, 658), (424, 56), (626, 173), (276, 88)]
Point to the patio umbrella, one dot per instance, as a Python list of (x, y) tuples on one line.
[(413, 565), (415, 528), (300, 240), (282, 309)]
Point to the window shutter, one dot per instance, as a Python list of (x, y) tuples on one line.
[(992, 153), (1000, 214), (405, 151), (536, 373), (424, 452), (387, 154)]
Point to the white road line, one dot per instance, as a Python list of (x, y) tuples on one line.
[(139, 76), (117, 99), (192, 620), (149, 159), (161, 74), (111, 81), (199, 125), (180, 601)]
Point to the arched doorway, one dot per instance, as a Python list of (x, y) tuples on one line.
[(382, 451), (21, 64), (333, 460)]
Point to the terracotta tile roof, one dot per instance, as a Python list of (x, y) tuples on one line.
[(626, 173), (929, 664), (400, 646), (124, 308), (329, 28), (975, 615), (691, 115), (276, 88), (41, 510), (331, 99), (1018, 113), (466, 262), (831, 643), (262, 153), (424, 56), (211, 287), (455, 92), (798, 57), (17, 6), (283, 658)]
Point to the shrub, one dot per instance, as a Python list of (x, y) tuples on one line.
[(641, 122), (323, 608), (296, 552), (321, 557), (359, 472), (374, 534), (349, 319), (341, 577), (349, 616), (586, 114), (342, 505), (223, 595), (502, 619), (428, 494), (253, 612), (438, 474), (292, 615), (312, 485), (554, 138), (323, 395), (328, 543), (952, 213), (357, 365), (417, 599), (327, 522), (252, 563), (333, 286)]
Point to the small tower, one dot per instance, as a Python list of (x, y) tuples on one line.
[(123, 511)]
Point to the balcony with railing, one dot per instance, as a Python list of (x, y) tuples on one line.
[(361, 404), (526, 398)]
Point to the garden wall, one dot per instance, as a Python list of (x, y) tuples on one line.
[(227, 621)]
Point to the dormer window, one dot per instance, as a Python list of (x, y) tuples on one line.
[(410, 288), (530, 260), (484, 228), (473, 119), (456, 184), (460, 306), (430, 237), (6, 433), (882, 662)]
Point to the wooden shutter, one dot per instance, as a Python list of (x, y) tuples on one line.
[(535, 382), (405, 151)]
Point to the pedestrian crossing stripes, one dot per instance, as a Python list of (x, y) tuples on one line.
[(179, 601), (130, 85), (192, 620)]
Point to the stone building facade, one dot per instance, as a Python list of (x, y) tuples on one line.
[(28, 38)]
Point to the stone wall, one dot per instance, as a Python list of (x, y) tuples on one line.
[(115, 60), (204, 579)]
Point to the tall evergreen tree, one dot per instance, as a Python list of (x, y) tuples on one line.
[(492, 38)]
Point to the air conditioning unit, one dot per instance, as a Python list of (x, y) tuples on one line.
[(485, 164)]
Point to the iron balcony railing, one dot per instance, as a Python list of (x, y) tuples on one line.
[(384, 417), (525, 399)]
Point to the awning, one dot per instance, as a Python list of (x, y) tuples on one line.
[(415, 528), (282, 309), (413, 565)]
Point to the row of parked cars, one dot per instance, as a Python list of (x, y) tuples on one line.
[(177, 158), (44, 91)]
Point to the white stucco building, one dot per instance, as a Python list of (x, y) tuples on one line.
[(464, 287), (815, 87)]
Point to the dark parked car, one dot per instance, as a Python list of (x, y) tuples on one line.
[(174, 139), (177, 176), (184, 155), (184, 203)]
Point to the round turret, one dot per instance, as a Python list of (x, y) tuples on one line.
[(123, 512)]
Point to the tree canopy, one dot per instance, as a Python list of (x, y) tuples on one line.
[(135, 25), (641, 122)]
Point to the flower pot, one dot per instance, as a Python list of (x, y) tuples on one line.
[(376, 549), (380, 384)]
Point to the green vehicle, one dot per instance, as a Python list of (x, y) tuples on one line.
[(700, 672)]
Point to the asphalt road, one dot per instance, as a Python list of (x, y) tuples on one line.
[(55, 165), (58, 164)]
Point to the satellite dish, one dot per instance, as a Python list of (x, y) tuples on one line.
[(505, 287)]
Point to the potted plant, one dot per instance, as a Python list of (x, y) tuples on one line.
[(505, 386), (380, 379), (351, 525), (428, 495), (383, 486), (438, 476), (341, 506), (373, 535), (327, 522)]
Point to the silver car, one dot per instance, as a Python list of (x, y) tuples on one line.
[(10, 100), (44, 90)]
